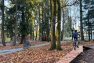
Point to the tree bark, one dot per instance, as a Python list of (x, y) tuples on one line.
[(58, 32), (47, 18), (2, 32), (22, 39), (22, 31), (88, 28), (53, 19), (39, 25), (62, 35), (15, 33), (81, 24)]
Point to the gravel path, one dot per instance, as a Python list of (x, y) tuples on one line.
[(33, 45), (19, 49)]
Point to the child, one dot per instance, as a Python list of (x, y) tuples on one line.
[(75, 37)]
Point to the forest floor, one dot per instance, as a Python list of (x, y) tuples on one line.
[(37, 55)]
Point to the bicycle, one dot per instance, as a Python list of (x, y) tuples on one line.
[(75, 43)]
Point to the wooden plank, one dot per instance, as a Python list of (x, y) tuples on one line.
[(71, 55)]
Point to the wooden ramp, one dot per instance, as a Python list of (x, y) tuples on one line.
[(71, 55)]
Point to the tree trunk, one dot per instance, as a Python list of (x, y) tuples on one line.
[(22, 27), (47, 19), (53, 19), (15, 33), (2, 32), (36, 34), (91, 32), (22, 39), (88, 27), (33, 34), (39, 25), (81, 24), (62, 35), (58, 32), (42, 22)]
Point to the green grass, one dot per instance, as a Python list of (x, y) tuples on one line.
[(7, 39)]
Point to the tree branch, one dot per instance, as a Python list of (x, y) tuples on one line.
[(76, 2)]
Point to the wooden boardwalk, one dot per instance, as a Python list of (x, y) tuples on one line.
[(71, 55)]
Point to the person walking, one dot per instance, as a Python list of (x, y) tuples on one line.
[(75, 38)]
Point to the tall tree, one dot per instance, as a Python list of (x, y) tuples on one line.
[(47, 19), (40, 29), (81, 24), (88, 18), (53, 20), (58, 32), (15, 33), (2, 32)]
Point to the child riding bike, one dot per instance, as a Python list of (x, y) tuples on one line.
[(75, 37)]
